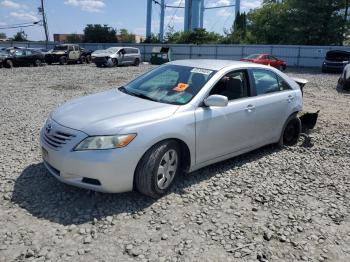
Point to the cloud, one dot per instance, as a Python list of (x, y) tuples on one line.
[(87, 5), (21, 15), (2, 24), (11, 4), (246, 6)]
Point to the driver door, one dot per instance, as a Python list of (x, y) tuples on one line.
[(224, 130)]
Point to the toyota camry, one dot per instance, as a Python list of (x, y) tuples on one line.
[(177, 118)]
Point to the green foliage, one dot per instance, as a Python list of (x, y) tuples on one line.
[(198, 36), (238, 32), (20, 36), (317, 22), (2, 35), (126, 37), (153, 39), (97, 33)]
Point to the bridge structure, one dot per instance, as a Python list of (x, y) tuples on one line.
[(194, 11)]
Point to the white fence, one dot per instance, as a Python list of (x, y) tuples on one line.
[(304, 56)]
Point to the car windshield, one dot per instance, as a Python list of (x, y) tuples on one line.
[(255, 56), (171, 84), (60, 47), (112, 50)]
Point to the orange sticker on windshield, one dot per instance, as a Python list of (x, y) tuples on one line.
[(180, 87)]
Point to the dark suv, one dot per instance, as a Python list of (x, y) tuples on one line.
[(335, 61)]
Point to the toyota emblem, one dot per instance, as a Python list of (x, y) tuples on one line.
[(48, 128)]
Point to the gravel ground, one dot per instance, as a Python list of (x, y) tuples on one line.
[(272, 204)]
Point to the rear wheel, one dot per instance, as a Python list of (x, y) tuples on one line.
[(291, 131), (158, 169), (88, 59), (82, 59), (137, 62)]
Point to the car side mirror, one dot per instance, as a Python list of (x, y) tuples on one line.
[(216, 100)]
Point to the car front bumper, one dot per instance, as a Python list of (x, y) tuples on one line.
[(110, 171)]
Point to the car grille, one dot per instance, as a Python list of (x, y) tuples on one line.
[(57, 139)]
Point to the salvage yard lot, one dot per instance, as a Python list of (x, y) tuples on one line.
[(272, 204)]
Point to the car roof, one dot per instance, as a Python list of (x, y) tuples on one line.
[(214, 64)]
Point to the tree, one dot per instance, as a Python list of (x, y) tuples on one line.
[(2, 36), (20, 36), (198, 36), (317, 22), (126, 37), (97, 33), (238, 32)]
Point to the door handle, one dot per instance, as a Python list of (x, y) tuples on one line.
[(290, 98), (250, 108)]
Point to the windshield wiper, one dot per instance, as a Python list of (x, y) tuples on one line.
[(140, 95)]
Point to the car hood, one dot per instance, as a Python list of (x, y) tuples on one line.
[(108, 112), (103, 54)]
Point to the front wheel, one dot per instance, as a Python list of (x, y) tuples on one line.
[(37, 63), (63, 60), (9, 64), (158, 169), (291, 132)]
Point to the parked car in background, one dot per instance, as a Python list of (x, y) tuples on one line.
[(344, 79), (177, 118), (68, 53), (95, 53), (21, 57), (335, 61), (266, 59), (115, 56)]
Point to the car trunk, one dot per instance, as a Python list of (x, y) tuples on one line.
[(338, 56)]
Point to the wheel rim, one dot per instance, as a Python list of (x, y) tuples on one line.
[(167, 169)]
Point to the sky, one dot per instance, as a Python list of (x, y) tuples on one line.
[(71, 16)]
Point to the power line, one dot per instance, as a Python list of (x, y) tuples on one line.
[(19, 26), (174, 14)]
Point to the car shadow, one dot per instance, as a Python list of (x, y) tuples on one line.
[(44, 197)]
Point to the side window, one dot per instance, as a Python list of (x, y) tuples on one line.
[(70, 48), (234, 85), (272, 58), (28, 52), (283, 85), (265, 81)]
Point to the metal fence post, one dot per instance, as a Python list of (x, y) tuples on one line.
[(298, 58), (190, 51), (216, 51)]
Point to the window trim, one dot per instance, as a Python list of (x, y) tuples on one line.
[(268, 70), (250, 88)]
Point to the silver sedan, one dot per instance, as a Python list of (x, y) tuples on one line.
[(177, 118)]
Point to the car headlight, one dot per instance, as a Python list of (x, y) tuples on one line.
[(104, 142)]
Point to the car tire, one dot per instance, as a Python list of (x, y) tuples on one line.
[(83, 59), (137, 62), (9, 64), (63, 60), (88, 59), (158, 168), (291, 131), (37, 63)]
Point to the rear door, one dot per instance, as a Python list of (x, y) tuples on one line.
[(273, 104), (224, 130)]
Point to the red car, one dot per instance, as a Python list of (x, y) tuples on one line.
[(266, 59)]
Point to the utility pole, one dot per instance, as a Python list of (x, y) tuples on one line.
[(149, 20), (161, 26), (42, 10)]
